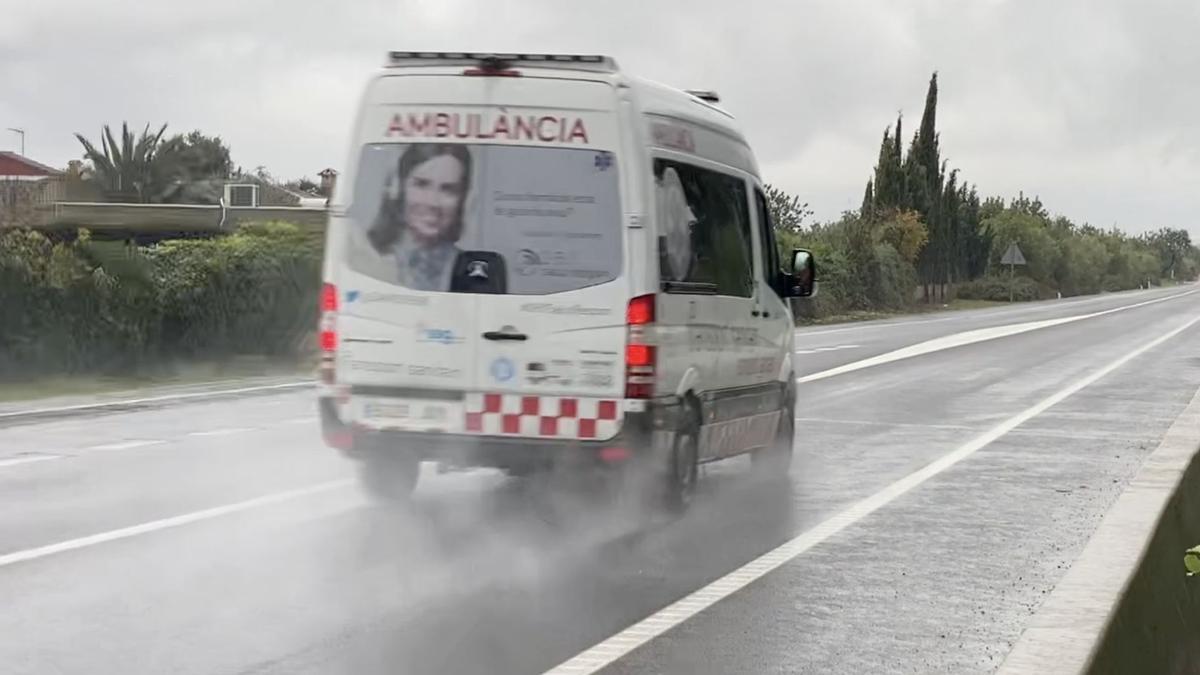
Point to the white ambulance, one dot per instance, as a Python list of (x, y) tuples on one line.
[(537, 262)]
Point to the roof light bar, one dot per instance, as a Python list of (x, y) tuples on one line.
[(578, 61)]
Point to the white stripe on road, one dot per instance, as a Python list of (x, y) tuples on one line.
[(614, 648), (303, 384), (126, 445), (166, 523), (16, 461), (817, 350), (1029, 307), (221, 432), (971, 337), (872, 325), (889, 425)]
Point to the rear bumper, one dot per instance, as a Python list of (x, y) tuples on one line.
[(645, 435)]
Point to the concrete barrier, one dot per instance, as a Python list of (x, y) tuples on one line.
[(1126, 606), (122, 219)]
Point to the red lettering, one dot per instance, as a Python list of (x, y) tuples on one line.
[(417, 125), (466, 131), (443, 125), (501, 127), (396, 126), (547, 129), (541, 128), (524, 128), (578, 131)]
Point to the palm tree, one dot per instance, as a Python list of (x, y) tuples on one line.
[(127, 171)]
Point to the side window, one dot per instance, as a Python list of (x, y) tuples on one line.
[(771, 265), (703, 221)]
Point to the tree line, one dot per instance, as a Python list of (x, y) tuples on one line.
[(922, 232), (189, 168)]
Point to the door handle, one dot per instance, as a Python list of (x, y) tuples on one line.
[(503, 335)]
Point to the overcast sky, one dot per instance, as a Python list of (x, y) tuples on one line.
[(1092, 104)]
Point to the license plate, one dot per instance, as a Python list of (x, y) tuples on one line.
[(419, 415)]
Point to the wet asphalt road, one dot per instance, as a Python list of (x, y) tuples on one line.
[(490, 576)]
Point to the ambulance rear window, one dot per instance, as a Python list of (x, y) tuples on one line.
[(485, 218)]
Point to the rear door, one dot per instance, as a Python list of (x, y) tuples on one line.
[(489, 251)]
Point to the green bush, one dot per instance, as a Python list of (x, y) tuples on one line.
[(997, 288), (892, 280), (104, 306)]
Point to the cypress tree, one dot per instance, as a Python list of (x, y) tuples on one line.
[(925, 176), (868, 203)]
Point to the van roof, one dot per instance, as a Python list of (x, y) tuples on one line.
[(656, 98), (653, 98)]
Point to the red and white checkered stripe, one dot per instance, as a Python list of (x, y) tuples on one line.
[(542, 416)]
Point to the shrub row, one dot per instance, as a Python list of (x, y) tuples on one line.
[(95, 306), (997, 288)]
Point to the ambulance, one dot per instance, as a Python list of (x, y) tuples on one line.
[(538, 262)]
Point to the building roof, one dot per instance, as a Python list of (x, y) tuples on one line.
[(33, 167)]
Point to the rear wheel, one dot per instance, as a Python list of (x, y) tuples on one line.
[(683, 464), (775, 460), (389, 477)]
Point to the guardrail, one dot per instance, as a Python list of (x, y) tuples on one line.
[(149, 219)]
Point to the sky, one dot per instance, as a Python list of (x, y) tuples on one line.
[(1093, 105)]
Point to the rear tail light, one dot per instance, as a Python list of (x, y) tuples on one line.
[(327, 332), (328, 322), (641, 358)]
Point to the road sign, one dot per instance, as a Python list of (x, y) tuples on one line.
[(1013, 255)]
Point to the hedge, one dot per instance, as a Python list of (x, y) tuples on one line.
[(91, 306), (997, 288)]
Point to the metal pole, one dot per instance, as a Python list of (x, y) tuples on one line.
[(22, 133), (1012, 268)]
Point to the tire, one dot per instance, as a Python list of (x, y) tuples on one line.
[(774, 462), (683, 468), (390, 478)]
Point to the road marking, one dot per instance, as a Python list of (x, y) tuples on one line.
[(872, 325), (221, 432), (14, 461), (970, 337), (301, 420), (873, 423), (166, 523), (303, 384), (125, 445), (614, 648), (817, 350), (1025, 307)]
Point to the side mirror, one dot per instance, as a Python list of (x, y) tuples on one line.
[(802, 281)]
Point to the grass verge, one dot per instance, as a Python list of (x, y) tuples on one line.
[(874, 315), (176, 375)]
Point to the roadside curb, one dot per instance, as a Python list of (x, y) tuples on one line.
[(1066, 633), (126, 405)]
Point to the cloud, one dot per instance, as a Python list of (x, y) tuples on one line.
[(1086, 103)]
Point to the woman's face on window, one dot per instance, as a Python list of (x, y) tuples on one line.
[(433, 193)]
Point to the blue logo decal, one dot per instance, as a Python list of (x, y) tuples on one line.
[(603, 161), (443, 336), (351, 296), (503, 369)]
